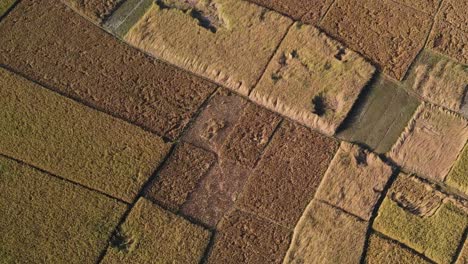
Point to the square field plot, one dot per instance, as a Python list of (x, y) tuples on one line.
[(375, 29), (44, 219), (458, 176), (424, 219), (288, 174), (313, 79), (431, 142), (440, 80), (327, 235), (354, 180), (228, 41), (153, 235), (95, 10)]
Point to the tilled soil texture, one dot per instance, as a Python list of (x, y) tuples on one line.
[(45, 219), (449, 34), (180, 175), (73, 141), (231, 41), (375, 29), (51, 44), (153, 235), (288, 174), (245, 238), (309, 11), (313, 79), (95, 10)]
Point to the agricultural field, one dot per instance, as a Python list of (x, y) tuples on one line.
[(234, 131)]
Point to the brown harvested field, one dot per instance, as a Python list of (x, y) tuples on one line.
[(379, 116), (385, 251), (313, 79), (180, 175), (245, 238), (83, 62), (326, 235), (431, 142), (95, 10), (231, 48), (233, 131), (44, 219), (354, 180), (439, 80), (375, 29), (153, 235), (288, 174), (75, 142), (309, 11), (448, 35)]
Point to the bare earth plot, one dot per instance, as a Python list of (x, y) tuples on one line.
[(231, 41), (312, 79), (44, 219), (375, 29), (379, 116), (73, 141), (431, 142)]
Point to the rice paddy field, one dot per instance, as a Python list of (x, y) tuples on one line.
[(234, 131)]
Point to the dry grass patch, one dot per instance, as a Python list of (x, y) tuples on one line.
[(153, 235), (313, 79), (327, 235), (48, 220), (431, 142), (422, 218), (439, 80), (354, 180), (228, 41), (73, 141)]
